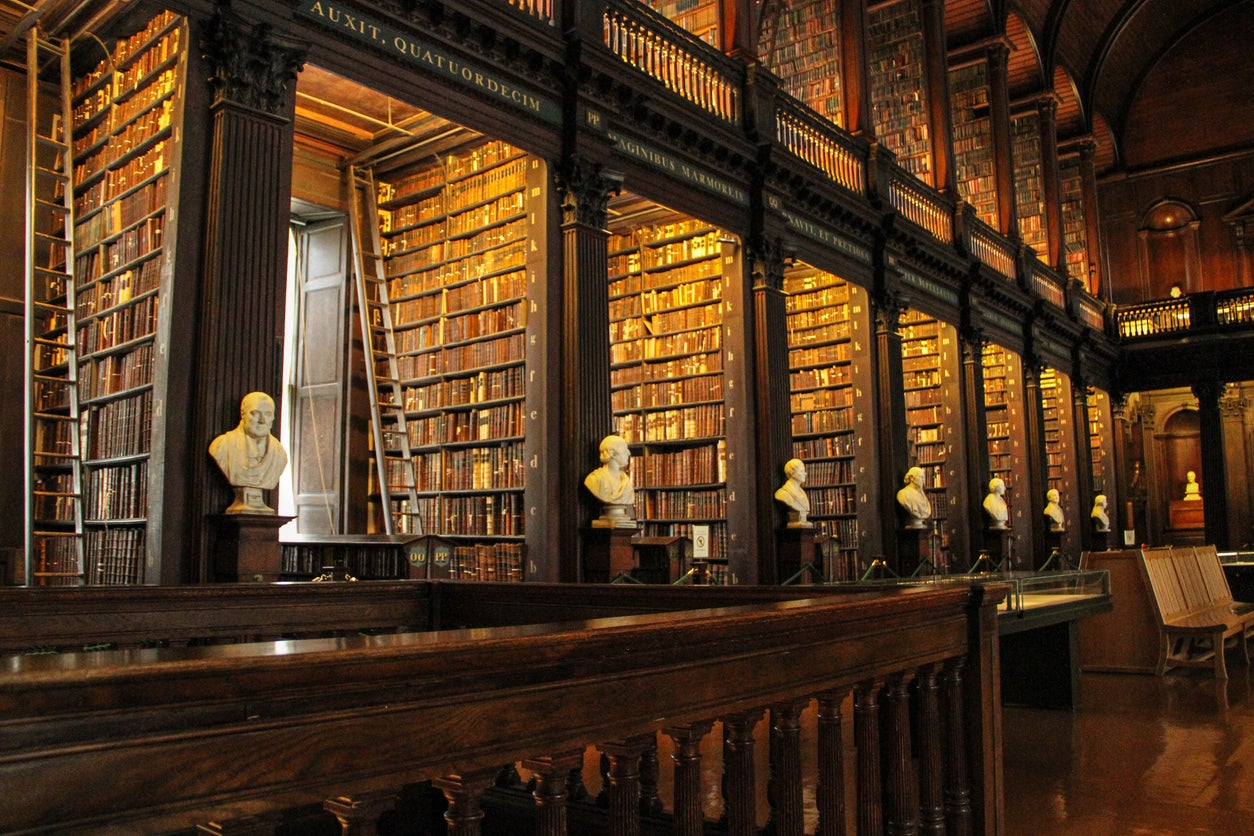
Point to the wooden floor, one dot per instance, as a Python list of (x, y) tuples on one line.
[(1143, 755)]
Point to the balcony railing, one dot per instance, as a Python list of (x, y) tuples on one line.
[(167, 737), (820, 143), (992, 249), (1168, 316), (1048, 284), (920, 204), (1206, 312), (686, 65)]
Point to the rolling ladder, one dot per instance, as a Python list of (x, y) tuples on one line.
[(53, 466), (394, 463)]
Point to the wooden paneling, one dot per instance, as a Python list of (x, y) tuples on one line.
[(1126, 638)]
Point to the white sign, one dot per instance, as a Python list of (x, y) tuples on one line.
[(700, 541)]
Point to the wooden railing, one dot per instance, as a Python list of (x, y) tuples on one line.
[(921, 204), (686, 65), (1093, 313), (543, 10), (1048, 284), (820, 143), (1167, 316), (991, 248), (158, 739)]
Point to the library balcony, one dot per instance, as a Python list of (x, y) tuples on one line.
[(353, 695), (1218, 327)]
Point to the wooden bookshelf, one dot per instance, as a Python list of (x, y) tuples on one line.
[(825, 375), (973, 139), (802, 47), (454, 232), (1004, 415), (126, 152), (1101, 442), (666, 281), (927, 348), (1029, 185), (895, 49), (1054, 409), (1074, 232), (700, 17)]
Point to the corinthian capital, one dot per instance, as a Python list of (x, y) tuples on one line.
[(249, 65)]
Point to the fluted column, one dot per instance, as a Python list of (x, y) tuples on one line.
[(974, 421), (936, 70), (998, 54), (901, 795), (1083, 445), (243, 291), (623, 777), (464, 792), (783, 790), (1095, 284), (689, 818), (866, 740), (1051, 186), (956, 778), (854, 76), (738, 786), (359, 814), (584, 356), (931, 754), (1214, 464), (551, 789), (1034, 435), (829, 791), (890, 417), (650, 801)]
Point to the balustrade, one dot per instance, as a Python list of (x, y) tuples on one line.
[(157, 739)]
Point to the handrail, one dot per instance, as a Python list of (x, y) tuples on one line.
[(1048, 284), (920, 204), (1093, 313), (685, 64), (262, 727), (1166, 316), (542, 10), (820, 143), (991, 248)]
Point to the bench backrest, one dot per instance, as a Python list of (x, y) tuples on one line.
[(1212, 572), (1164, 583)]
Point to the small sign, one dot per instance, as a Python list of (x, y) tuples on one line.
[(1129, 537), (700, 541)]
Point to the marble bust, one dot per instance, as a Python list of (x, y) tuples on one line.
[(912, 499), (995, 504), (793, 495), (1101, 521), (250, 457), (611, 484), (1192, 490), (1053, 511)]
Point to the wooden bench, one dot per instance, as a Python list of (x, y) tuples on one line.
[(1196, 612)]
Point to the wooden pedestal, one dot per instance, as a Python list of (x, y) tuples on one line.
[(247, 549), (795, 547), (607, 553)]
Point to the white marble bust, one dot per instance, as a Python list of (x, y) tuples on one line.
[(1192, 490), (1053, 511), (1101, 521), (251, 459), (611, 484), (995, 504), (913, 500), (792, 494)]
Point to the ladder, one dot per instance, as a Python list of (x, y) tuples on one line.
[(394, 462), (53, 465)]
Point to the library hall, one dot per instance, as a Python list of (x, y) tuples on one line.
[(631, 417)]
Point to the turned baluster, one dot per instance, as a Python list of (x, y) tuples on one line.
[(931, 793), (623, 777), (738, 789), (866, 739), (650, 803), (359, 815), (787, 817), (688, 816), (956, 776), (829, 793), (902, 792), (465, 796), (552, 789)]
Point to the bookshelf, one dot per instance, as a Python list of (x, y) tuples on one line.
[(454, 232), (895, 53), (826, 373), (1053, 410), (1101, 442), (699, 17), (1074, 234), (1025, 147), (973, 139), (803, 49), (1003, 412), (927, 348), (126, 152), (666, 279)]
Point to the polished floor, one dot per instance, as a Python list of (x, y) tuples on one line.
[(1142, 755)]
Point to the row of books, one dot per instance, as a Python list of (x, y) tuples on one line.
[(833, 501), (484, 322), (119, 180), (473, 257), (118, 215), (669, 346), (480, 469), (480, 387), (115, 555), (364, 562), (690, 365), (693, 422), (121, 427), (452, 167), (830, 471), (464, 284), (56, 559), (821, 399), (113, 373), (668, 393), (703, 465), (117, 493), (825, 421), (837, 352), (121, 326), (682, 504), (492, 515), (502, 562), (820, 378), (832, 446), (118, 289), (495, 422), (55, 498)]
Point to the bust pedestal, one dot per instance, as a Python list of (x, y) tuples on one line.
[(246, 548), (607, 553), (997, 544), (1099, 536), (912, 549), (795, 551)]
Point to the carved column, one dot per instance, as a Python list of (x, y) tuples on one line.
[(244, 286), (901, 795), (1034, 436), (829, 791), (957, 786), (859, 115), (1051, 186), (890, 417), (1214, 464), (552, 790), (975, 422), (774, 437), (359, 815), (688, 816), (1083, 446), (623, 777), (998, 55), (1234, 410), (464, 793), (931, 754), (866, 741), (738, 788), (936, 72), (1096, 286), (584, 354), (650, 802), (783, 790)]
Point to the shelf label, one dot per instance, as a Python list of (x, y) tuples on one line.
[(394, 42)]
